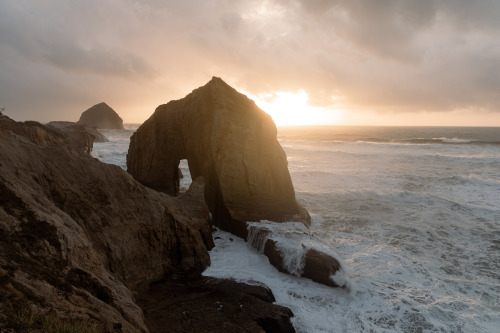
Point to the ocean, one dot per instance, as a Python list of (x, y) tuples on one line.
[(413, 213)]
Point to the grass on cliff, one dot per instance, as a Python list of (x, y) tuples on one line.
[(49, 323)]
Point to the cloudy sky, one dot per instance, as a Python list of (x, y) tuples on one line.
[(384, 62)]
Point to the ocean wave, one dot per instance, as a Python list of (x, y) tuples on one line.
[(427, 141), (385, 141)]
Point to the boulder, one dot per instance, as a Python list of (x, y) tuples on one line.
[(291, 250), (228, 140), (78, 238), (72, 127), (101, 116)]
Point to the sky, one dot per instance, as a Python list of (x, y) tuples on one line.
[(345, 62)]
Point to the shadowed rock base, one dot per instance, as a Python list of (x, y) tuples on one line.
[(207, 304)]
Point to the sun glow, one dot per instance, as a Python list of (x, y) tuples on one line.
[(289, 109)]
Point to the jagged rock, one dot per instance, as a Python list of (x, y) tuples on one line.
[(79, 237), (228, 140), (78, 141), (72, 127), (101, 116), (289, 252)]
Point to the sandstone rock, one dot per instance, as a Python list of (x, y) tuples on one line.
[(71, 127), (79, 237), (290, 251), (229, 141), (101, 116)]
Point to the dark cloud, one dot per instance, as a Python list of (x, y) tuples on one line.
[(59, 57)]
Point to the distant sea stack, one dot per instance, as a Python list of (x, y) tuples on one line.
[(228, 140), (101, 116)]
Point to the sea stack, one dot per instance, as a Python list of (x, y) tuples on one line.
[(228, 140), (101, 116)]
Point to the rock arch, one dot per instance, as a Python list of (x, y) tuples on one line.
[(228, 140)]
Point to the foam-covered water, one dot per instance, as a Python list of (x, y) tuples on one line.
[(414, 214)]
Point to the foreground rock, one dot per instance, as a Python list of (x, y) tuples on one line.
[(101, 116), (79, 237), (71, 127), (294, 251), (229, 141), (207, 304)]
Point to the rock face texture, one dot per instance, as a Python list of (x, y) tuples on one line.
[(229, 141), (79, 237), (78, 140), (71, 127), (101, 116)]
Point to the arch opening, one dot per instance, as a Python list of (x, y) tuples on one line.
[(185, 179)]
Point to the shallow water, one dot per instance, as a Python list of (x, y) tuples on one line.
[(414, 214)]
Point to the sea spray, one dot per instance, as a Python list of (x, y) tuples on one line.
[(293, 249)]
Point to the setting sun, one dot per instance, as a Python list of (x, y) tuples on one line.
[(291, 108)]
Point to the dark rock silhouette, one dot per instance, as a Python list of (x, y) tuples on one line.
[(207, 304), (101, 116), (229, 141)]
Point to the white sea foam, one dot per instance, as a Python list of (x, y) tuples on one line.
[(293, 240)]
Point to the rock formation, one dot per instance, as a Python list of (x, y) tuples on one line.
[(101, 116), (72, 127), (80, 240), (79, 236), (78, 141), (229, 141)]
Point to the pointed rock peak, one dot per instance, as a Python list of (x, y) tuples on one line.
[(218, 83), (216, 79), (101, 115)]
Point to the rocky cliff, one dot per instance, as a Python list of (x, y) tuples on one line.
[(77, 140), (101, 116), (228, 140), (78, 236)]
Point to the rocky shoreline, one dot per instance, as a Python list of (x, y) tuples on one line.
[(86, 243), (81, 239)]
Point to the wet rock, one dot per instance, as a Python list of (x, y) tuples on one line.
[(289, 251), (101, 116), (229, 141)]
